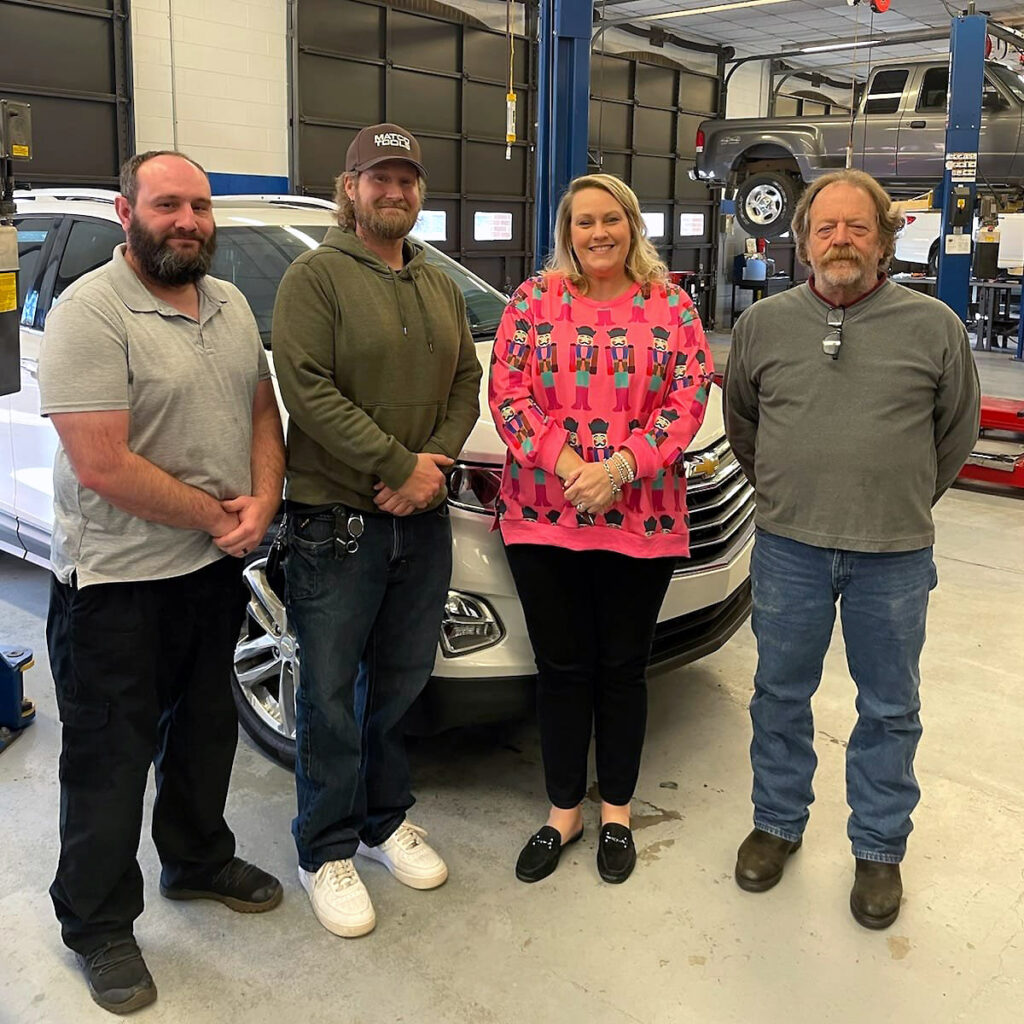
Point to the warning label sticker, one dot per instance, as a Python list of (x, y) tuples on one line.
[(8, 293)]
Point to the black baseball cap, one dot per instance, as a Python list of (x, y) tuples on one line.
[(382, 142)]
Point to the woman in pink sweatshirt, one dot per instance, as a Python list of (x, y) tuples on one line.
[(599, 381)]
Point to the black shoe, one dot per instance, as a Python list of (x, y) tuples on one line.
[(238, 885), (761, 859), (539, 857), (616, 854), (119, 980), (876, 894)]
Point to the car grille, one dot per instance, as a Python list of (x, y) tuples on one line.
[(720, 503)]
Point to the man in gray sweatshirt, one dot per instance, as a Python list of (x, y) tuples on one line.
[(851, 404)]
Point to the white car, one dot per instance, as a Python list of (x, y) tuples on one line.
[(918, 241), (484, 669)]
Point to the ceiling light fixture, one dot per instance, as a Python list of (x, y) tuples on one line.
[(837, 46), (710, 10)]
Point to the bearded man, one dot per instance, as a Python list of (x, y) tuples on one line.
[(380, 378), (851, 404), (169, 470)]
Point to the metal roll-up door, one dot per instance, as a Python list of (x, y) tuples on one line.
[(442, 75), (70, 61)]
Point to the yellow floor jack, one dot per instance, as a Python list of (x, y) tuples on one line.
[(15, 711)]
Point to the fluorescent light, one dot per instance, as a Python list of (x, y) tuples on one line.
[(711, 10), (837, 46)]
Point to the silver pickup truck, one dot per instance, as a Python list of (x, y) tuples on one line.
[(899, 136)]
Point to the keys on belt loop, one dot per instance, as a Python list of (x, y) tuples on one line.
[(354, 528)]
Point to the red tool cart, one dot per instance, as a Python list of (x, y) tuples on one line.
[(998, 457)]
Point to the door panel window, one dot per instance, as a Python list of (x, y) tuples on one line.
[(90, 244), (886, 92), (32, 235), (934, 89)]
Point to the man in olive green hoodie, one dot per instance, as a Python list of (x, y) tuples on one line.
[(378, 371)]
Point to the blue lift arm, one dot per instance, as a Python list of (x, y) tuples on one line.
[(963, 127), (563, 109)]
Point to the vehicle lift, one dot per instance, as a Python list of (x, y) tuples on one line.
[(563, 109), (995, 459), (15, 144)]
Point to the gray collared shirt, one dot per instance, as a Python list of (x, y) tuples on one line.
[(110, 344)]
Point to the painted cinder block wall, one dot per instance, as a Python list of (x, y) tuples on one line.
[(211, 79)]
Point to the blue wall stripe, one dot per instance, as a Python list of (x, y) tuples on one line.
[(247, 184)]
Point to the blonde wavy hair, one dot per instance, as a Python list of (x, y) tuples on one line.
[(890, 214), (346, 214), (643, 264)]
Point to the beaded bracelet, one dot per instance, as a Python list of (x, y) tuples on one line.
[(626, 474), (616, 489)]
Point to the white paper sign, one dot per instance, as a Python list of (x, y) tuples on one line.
[(957, 245), (489, 226)]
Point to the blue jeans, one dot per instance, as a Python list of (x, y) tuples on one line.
[(370, 621), (883, 603)]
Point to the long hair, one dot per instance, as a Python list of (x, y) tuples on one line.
[(643, 264), (346, 214), (890, 215)]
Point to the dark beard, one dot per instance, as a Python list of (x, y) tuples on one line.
[(382, 225), (160, 262)]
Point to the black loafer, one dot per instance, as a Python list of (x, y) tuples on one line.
[(238, 884), (539, 857), (118, 978), (761, 859), (877, 893), (616, 854)]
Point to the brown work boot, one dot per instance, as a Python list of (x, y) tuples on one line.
[(762, 859), (876, 894)]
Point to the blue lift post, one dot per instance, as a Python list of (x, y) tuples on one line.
[(563, 109), (963, 126)]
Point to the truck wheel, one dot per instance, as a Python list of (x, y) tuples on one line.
[(765, 203)]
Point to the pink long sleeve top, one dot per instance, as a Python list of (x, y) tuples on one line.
[(631, 373)]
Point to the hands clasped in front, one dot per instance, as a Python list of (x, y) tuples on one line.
[(425, 483), (245, 523)]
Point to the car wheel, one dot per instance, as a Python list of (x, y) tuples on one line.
[(765, 203), (933, 259), (266, 668)]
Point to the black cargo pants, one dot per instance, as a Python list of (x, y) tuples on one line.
[(143, 675)]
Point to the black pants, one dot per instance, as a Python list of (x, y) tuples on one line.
[(143, 675), (591, 618)]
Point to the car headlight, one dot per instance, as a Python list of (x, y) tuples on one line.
[(468, 625), (474, 488)]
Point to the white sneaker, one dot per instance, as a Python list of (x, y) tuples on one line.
[(411, 860), (339, 898)]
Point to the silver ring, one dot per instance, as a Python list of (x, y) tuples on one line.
[(581, 507)]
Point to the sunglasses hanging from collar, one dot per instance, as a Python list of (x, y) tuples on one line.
[(833, 341)]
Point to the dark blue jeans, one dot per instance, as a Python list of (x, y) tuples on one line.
[(369, 618), (883, 601)]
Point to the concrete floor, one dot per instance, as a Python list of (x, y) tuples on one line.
[(679, 942)]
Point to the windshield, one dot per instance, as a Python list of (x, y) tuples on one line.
[(484, 305), (1005, 77), (254, 259)]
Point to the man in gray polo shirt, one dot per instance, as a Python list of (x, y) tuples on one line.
[(851, 404), (169, 470)]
